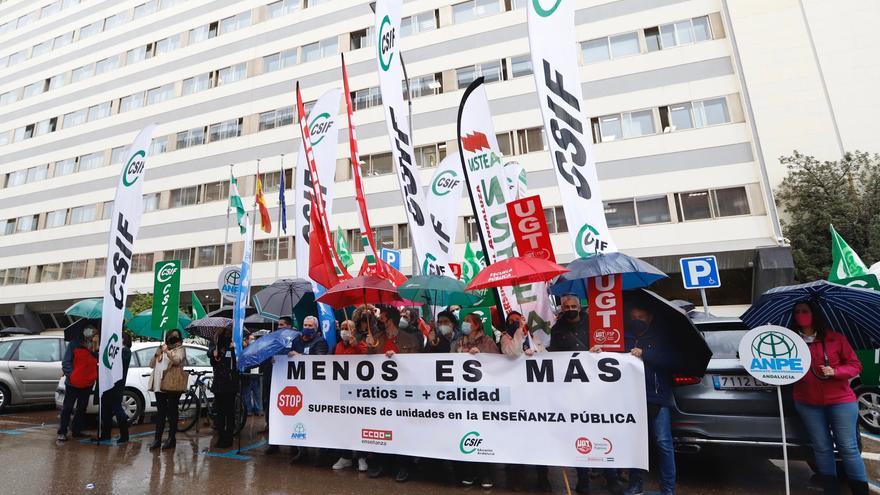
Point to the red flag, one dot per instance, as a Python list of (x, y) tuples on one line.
[(321, 268), (265, 221), (384, 270)]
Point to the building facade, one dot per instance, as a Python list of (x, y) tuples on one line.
[(691, 104)]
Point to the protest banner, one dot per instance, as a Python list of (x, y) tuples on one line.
[(583, 410), (166, 295), (529, 227), (605, 302), (442, 199)]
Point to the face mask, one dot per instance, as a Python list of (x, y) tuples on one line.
[(638, 326), (345, 334), (804, 319), (404, 323), (445, 329), (570, 314), (308, 332), (89, 333), (512, 326), (466, 328), (455, 312)]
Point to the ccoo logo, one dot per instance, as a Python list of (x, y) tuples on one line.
[(166, 272), (386, 43), (134, 168)]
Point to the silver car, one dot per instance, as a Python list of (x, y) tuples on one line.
[(29, 369), (728, 408)]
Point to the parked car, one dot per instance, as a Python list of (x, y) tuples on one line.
[(867, 388), (29, 368), (727, 408), (137, 399)]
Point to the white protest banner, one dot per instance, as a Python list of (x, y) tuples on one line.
[(442, 202), (486, 180), (421, 225), (125, 221), (583, 410), (324, 133), (555, 64)]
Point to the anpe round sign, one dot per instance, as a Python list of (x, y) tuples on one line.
[(774, 355), (228, 282)]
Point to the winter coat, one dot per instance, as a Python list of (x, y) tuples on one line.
[(85, 368), (343, 349), (482, 342), (317, 346), (835, 390), (567, 336), (658, 361), (513, 346)]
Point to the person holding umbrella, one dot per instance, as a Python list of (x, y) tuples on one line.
[(518, 340), (473, 340), (221, 355), (111, 404), (348, 340), (168, 381), (826, 403), (443, 336), (81, 370)]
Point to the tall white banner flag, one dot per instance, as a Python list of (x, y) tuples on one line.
[(426, 229), (443, 198), (554, 62), (487, 184), (125, 221), (324, 131)]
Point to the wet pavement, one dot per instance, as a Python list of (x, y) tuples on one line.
[(31, 462)]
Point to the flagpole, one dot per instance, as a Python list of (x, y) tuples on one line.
[(253, 226), (415, 258), (226, 235), (278, 230)]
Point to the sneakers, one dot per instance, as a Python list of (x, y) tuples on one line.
[(402, 475), (486, 482), (342, 463), (61, 438), (362, 465), (467, 481)]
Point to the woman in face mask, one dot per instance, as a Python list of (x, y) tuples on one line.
[(517, 339), (348, 341), (168, 381), (826, 402), (443, 334), (473, 339)]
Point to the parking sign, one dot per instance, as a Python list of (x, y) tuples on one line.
[(700, 272), (391, 256)]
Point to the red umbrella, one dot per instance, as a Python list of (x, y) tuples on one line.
[(367, 289), (515, 271)]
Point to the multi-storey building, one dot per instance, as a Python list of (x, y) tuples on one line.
[(691, 104)]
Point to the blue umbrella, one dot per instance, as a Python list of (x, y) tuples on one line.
[(851, 311), (636, 273), (267, 346)]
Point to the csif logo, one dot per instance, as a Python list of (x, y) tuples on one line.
[(588, 242), (166, 272), (546, 11), (385, 43), (319, 127), (470, 442), (111, 351), (775, 351), (134, 168), (445, 182)]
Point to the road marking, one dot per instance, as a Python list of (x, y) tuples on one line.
[(113, 442), (22, 431), (871, 436), (235, 454), (875, 488), (870, 456)]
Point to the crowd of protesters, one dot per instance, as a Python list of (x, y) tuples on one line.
[(823, 398)]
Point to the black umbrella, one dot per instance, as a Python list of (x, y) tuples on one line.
[(257, 322), (692, 352), (18, 331), (74, 330), (226, 312), (208, 326), (281, 297)]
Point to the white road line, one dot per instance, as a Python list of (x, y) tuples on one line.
[(870, 436), (870, 456)]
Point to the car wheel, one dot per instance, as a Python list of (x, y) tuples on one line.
[(869, 408), (5, 397), (133, 405)]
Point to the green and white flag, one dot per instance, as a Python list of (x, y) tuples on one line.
[(342, 249), (236, 203), (472, 264), (198, 309), (845, 262)]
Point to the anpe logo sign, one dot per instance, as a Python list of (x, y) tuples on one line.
[(774, 355), (290, 401), (383, 435), (299, 432)]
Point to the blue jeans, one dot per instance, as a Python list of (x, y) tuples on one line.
[(250, 394), (660, 433), (839, 420)]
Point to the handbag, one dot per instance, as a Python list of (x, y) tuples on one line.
[(174, 380)]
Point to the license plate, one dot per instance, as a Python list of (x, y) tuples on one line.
[(738, 382)]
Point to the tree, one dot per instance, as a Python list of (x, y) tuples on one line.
[(816, 193), (139, 302)]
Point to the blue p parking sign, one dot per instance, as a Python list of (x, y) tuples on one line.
[(700, 272), (391, 256)]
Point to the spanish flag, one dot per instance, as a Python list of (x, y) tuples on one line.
[(265, 221)]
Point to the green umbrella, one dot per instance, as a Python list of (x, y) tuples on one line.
[(436, 290), (142, 324), (91, 309)]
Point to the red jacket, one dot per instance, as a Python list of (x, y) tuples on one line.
[(341, 348), (835, 390), (85, 368)]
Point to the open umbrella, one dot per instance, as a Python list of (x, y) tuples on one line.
[(279, 299), (692, 354), (635, 273), (515, 271), (91, 309), (226, 312), (142, 324), (267, 346), (360, 290), (436, 290), (208, 326), (851, 311), (17, 331), (74, 330)]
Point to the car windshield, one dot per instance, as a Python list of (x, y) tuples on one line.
[(723, 337)]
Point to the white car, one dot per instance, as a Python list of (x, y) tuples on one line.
[(137, 398)]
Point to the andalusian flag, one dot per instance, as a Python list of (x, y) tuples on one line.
[(198, 309), (473, 263), (237, 205), (845, 262), (265, 221), (342, 249)]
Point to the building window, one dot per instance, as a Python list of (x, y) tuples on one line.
[(384, 236), (136, 55), (231, 74), (151, 202), (418, 23), (168, 44), (693, 205), (42, 49), (99, 111), (198, 34), (16, 178), (366, 98), (131, 102), (636, 124), (490, 71), (471, 230), (160, 94), (430, 155), (361, 39), (65, 167), (106, 210), (280, 60), (117, 155), (26, 223), (678, 33), (46, 126), (235, 22), (73, 270), (320, 49), (521, 66), (91, 29), (196, 84), (264, 250), (184, 197), (192, 137), (403, 236), (653, 210), (81, 73), (531, 140), (50, 273), (82, 214), (60, 41), (184, 255), (142, 263), (378, 164), (34, 89), (731, 201), (100, 268), (474, 9), (7, 227), (711, 112), (37, 173), (106, 65), (56, 218), (91, 161), (425, 85), (224, 130), (17, 276), (145, 9), (115, 20), (620, 213), (216, 191), (213, 255), (624, 45), (159, 145), (280, 8)]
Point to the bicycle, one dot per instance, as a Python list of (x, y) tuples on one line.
[(196, 398)]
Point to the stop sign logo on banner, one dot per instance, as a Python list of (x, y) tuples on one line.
[(290, 401), (605, 300), (530, 228)]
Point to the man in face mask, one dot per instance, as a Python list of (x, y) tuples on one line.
[(312, 340), (443, 334)]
